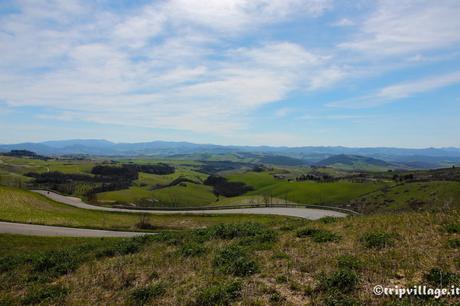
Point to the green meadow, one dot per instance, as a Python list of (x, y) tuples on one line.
[(17, 205)]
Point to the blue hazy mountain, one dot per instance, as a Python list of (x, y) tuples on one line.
[(423, 158)]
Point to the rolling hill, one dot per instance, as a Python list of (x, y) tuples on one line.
[(421, 158), (354, 162)]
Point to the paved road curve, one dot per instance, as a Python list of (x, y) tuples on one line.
[(307, 213), (44, 230)]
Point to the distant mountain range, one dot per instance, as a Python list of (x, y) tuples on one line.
[(352, 160), (419, 158)]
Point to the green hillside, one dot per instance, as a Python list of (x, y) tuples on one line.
[(185, 195), (354, 162), (435, 195), (18, 205), (305, 192)]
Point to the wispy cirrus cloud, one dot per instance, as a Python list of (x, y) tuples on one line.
[(399, 27), (209, 67), (344, 22), (168, 65), (400, 91)]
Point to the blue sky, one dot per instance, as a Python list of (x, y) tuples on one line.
[(247, 72)]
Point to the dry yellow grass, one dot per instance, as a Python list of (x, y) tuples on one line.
[(289, 269)]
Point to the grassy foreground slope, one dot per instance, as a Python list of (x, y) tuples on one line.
[(294, 262), (19, 205), (25, 245)]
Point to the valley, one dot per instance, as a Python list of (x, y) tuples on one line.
[(226, 230)]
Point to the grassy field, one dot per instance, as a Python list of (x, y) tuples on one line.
[(145, 191), (175, 196), (306, 192), (319, 193), (256, 180), (440, 195), (292, 262), (18, 205), (24, 165), (25, 245)]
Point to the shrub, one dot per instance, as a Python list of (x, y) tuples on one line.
[(8, 263), (124, 247), (234, 260), (56, 263), (377, 240), (414, 301), (144, 222), (452, 228), (276, 298), (349, 262), (337, 299), (253, 233), (7, 301), (454, 243), (221, 294), (295, 286), (140, 296), (280, 255), (287, 227), (262, 242), (344, 280), (48, 294), (192, 249), (281, 279), (325, 236), (328, 219), (306, 232), (318, 235), (171, 238), (238, 230), (438, 277)]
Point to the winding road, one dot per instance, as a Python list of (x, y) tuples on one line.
[(307, 213), (42, 230)]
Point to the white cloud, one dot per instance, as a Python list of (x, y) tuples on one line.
[(165, 66), (137, 30), (399, 91), (399, 27), (235, 15), (280, 55), (411, 88), (344, 22), (326, 77), (169, 65), (332, 117), (283, 112)]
